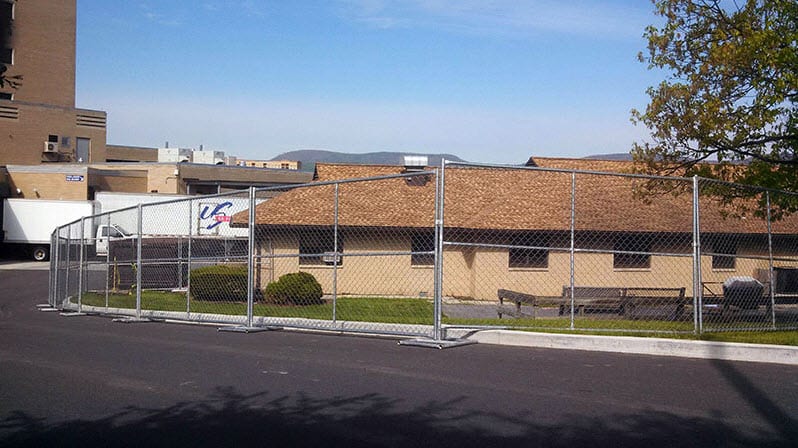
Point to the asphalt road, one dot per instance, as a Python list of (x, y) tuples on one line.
[(78, 381)]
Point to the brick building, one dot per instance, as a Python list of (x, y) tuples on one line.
[(39, 122)]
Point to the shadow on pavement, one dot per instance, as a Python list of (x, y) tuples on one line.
[(229, 418), (781, 422)]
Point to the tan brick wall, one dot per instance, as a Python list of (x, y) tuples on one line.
[(22, 139), (160, 177), (275, 164), (479, 273), (119, 183), (49, 186), (43, 38), (121, 153)]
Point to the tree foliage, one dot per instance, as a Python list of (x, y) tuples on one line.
[(731, 93)]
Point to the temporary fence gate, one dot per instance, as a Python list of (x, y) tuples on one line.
[(418, 253)]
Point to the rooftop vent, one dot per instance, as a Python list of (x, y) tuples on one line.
[(416, 163), (413, 164)]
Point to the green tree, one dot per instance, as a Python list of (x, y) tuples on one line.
[(730, 94)]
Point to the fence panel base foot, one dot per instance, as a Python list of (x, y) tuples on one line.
[(244, 329), (436, 343), (74, 314), (135, 320)]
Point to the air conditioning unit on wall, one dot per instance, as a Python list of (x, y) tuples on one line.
[(50, 147)]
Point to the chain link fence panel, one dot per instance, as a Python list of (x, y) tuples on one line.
[(748, 241), (519, 247), (346, 255)]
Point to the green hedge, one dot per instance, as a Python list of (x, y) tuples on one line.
[(220, 283), (299, 288)]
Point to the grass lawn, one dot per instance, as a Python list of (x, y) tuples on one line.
[(383, 310), (420, 311)]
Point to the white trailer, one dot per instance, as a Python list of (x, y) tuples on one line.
[(183, 215), (29, 223)]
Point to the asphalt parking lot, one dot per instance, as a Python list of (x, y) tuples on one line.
[(90, 381)]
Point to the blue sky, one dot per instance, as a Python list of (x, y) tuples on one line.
[(487, 80)]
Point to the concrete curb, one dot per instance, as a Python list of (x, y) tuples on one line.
[(775, 354)]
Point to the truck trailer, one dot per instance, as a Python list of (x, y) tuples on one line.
[(29, 223)]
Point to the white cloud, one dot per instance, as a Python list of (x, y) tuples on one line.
[(503, 17)]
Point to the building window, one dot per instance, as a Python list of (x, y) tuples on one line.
[(52, 138), (6, 96), (317, 248), (420, 246), (529, 258), (624, 244), (724, 254), (524, 257), (7, 56), (6, 11), (284, 166)]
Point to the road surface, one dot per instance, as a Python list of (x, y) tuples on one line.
[(87, 381)]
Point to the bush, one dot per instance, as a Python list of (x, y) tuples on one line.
[(299, 288), (219, 283)]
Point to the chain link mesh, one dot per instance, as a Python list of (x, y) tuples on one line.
[(521, 247)]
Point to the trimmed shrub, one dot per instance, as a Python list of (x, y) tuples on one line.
[(298, 288), (220, 283)]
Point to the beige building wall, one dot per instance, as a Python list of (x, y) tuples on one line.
[(274, 164), (159, 177), (119, 181), (123, 153), (478, 273), (69, 184)]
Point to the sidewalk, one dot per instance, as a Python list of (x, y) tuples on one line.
[(727, 351)]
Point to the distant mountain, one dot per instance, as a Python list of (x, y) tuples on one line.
[(616, 156), (309, 157)]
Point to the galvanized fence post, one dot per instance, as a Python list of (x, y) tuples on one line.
[(80, 264), (251, 258), (335, 257), (139, 266), (68, 261), (698, 316), (188, 256), (573, 246), (53, 263), (438, 269), (107, 256), (770, 265)]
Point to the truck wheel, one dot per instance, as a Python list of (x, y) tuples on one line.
[(41, 253)]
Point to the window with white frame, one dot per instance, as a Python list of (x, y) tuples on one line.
[(317, 247), (632, 251), (724, 253)]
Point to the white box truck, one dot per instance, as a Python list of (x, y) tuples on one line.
[(29, 223)]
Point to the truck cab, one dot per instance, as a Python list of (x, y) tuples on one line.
[(106, 233)]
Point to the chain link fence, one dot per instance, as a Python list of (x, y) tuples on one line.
[(593, 251), (414, 252)]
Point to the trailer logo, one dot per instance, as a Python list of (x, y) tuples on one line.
[(215, 215)]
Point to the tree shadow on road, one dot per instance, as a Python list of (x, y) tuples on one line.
[(780, 420), (229, 418)]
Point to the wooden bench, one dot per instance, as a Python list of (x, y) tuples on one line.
[(518, 298), (621, 300)]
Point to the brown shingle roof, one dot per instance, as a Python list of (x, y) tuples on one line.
[(505, 199)]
